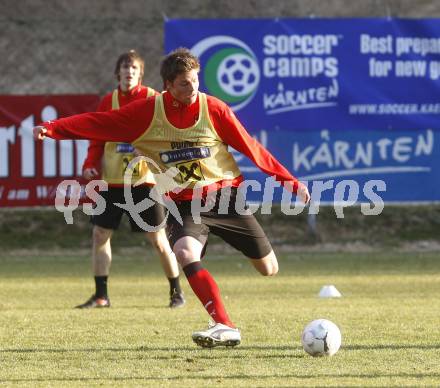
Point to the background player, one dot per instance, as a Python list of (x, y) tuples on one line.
[(113, 157)]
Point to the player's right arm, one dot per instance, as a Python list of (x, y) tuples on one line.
[(125, 124)]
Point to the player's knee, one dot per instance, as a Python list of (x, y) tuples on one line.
[(274, 269), (267, 265), (182, 253), (270, 270)]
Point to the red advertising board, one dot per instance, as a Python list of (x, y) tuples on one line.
[(30, 170)]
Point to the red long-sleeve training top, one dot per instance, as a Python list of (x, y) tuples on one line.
[(129, 122)]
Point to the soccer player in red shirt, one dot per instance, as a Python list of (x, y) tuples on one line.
[(188, 132), (112, 158)]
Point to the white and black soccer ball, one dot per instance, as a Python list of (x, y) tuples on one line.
[(238, 74), (321, 337)]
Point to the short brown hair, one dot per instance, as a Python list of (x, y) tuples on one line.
[(179, 61), (129, 56)]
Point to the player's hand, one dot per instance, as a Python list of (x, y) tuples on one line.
[(303, 193), (90, 173), (39, 132)]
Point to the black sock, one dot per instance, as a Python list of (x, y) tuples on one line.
[(192, 268), (174, 285), (101, 286)]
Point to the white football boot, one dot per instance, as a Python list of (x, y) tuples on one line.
[(217, 334)]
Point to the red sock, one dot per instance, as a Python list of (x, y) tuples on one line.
[(206, 289)]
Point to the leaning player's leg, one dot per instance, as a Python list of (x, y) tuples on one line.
[(188, 241), (188, 250), (244, 233), (267, 265)]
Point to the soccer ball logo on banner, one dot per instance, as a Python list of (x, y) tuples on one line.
[(231, 70)]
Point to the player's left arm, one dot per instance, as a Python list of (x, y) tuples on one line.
[(232, 132)]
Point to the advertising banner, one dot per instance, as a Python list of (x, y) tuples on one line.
[(333, 99), (30, 171)]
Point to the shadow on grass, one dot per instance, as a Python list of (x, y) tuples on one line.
[(235, 350), (221, 353), (152, 349), (217, 378)]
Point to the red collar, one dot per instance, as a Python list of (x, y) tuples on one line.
[(172, 103), (131, 92), (180, 115)]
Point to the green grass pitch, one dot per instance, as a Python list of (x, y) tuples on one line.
[(389, 316)]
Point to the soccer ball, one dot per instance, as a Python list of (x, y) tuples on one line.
[(238, 74), (321, 337)]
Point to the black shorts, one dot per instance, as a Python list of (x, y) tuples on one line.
[(111, 218), (241, 231)]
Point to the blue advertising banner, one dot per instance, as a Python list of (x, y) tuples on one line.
[(334, 99), (407, 162)]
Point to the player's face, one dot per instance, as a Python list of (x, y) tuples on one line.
[(185, 87), (129, 75)]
